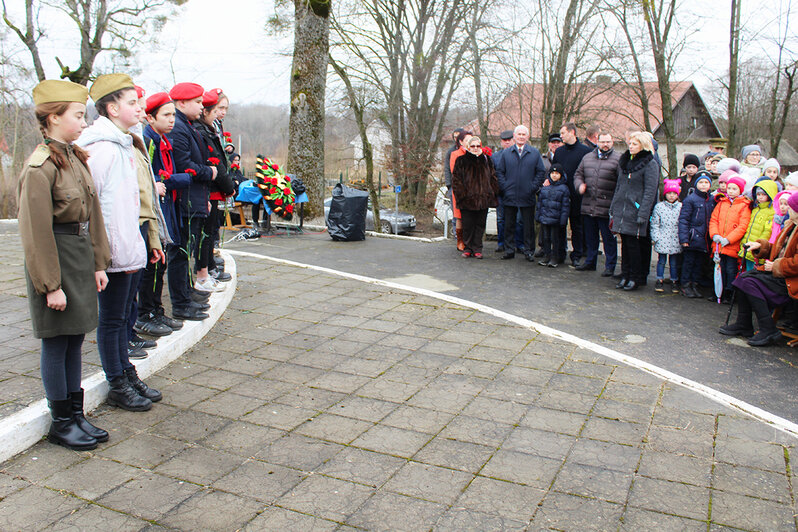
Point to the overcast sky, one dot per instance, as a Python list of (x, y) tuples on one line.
[(224, 44)]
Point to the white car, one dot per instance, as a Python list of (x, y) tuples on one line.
[(443, 207)]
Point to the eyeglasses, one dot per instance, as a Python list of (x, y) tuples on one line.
[(475, 146)]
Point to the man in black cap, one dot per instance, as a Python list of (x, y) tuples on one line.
[(506, 138)]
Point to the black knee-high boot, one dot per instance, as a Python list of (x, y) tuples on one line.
[(80, 418), (744, 324), (768, 333)]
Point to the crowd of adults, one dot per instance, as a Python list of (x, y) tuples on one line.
[(595, 193)]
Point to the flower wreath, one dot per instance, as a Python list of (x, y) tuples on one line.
[(275, 187)]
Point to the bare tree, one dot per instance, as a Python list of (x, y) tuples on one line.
[(103, 26), (660, 19), (734, 66)]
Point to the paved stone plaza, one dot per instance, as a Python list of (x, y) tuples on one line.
[(322, 403)]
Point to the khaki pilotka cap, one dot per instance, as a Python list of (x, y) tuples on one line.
[(59, 90), (108, 83)]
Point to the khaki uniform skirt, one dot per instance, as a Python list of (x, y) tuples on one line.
[(76, 258)]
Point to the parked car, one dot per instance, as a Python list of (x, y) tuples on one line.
[(443, 207), (388, 219)]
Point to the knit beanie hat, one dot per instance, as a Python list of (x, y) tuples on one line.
[(672, 185), (793, 202), (777, 200), (690, 158), (791, 179), (724, 177), (736, 179), (728, 163), (750, 148), (771, 163)]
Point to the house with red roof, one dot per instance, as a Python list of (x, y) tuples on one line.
[(613, 106)]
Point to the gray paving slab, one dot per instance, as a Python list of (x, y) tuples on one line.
[(338, 423)]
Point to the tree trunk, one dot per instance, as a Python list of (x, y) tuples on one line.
[(775, 141), (308, 83), (734, 53)]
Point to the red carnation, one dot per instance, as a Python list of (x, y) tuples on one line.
[(274, 181), (287, 179), (191, 172), (164, 174), (226, 134), (275, 167), (289, 209), (286, 191), (278, 201), (210, 149), (487, 151), (213, 160), (272, 190)]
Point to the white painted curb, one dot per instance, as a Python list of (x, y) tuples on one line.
[(322, 228), (26, 427), (719, 397)]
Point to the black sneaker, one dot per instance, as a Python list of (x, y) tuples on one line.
[(151, 326), (659, 286), (172, 323), (136, 353), (138, 341), (676, 287)]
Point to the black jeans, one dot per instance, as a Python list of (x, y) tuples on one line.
[(553, 241), (151, 288), (177, 262), (692, 261), (473, 223), (593, 226), (577, 236), (528, 219), (112, 329)]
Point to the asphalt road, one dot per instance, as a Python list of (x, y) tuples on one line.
[(670, 331)]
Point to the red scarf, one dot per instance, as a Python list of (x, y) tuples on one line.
[(167, 162)]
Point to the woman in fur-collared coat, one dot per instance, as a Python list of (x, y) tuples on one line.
[(475, 189)]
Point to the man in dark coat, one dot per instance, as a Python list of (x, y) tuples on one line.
[(506, 139), (190, 156), (569, 155), (595, 180), (591, 136), (520, 172)]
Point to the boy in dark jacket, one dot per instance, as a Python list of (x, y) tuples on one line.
[(693, 230), (554, 204)]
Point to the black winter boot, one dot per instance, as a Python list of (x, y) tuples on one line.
[(123, 395), (142, 389), (744, 324), (80, 418), (768, 333), (65, 430)]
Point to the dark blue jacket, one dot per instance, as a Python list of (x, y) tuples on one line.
[(694, 220), (520, 177), (176, 183), (569, 156), (190, 151), (554, 202)]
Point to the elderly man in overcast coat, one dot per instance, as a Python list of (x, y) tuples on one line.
[(520, 172)]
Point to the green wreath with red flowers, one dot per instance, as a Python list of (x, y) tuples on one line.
[(275, 187)]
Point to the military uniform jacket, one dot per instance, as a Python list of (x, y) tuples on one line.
[(47, 195)]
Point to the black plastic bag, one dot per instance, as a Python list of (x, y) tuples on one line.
[(346, 219), (297, 185)]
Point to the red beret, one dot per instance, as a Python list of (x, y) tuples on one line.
[(211, 97), (186, 91), (139, 92), (155, 101)]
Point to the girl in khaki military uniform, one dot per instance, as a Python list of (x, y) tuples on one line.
[(66, 254)]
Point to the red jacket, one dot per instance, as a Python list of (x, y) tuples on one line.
[(730, 220)]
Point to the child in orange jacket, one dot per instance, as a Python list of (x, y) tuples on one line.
[(727, 227)]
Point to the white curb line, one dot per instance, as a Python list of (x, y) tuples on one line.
[(757, 413), (26, 427)]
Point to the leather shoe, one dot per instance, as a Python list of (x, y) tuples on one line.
[(585, 267), (631, 285), (607, 273), (201, 297), (222, 277), (508, 256), (191, 314), (622, 283), (199, 306), (152, 326), (172, 323)]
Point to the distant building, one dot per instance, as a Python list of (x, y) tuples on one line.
[(380, 138), (788, 157), (616, 108)]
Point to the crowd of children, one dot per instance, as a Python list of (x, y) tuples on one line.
[(104, 212)]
